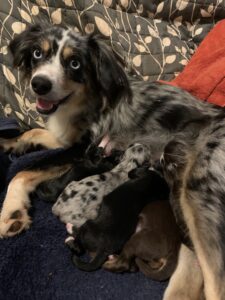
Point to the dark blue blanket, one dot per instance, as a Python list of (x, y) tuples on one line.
[(36, 265)]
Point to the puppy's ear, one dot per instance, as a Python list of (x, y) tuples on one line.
[(21, 46), (109, 74)]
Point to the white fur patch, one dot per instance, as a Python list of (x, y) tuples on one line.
[(70, 238), (53, 70)]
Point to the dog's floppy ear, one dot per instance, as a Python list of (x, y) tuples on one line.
[(21, 46), (109, 74)]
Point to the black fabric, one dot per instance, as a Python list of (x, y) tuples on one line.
[(9, 127)]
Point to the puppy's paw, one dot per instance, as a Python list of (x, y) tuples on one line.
[(112, 259), (116, 263), (23, 147), (13, 222), (69, 240), (20, 148)]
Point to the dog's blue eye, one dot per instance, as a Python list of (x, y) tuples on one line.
[(75, 64), (37, 54)]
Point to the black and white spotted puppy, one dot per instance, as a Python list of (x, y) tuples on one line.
[(80, 200)]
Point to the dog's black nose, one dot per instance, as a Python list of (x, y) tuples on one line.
[(41, 85)]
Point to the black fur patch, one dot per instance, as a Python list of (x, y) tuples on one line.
[(212, 177), (212, 145), (172, 118), (218, 127), (139, 149), (196, 184), (16, 215), (148, 109), (135, 162), (73, 193), (83, 197), (102, 177), (55, 46), (93, 197), (64, 197)]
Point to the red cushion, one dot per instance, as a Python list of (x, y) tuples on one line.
[(204, 75)]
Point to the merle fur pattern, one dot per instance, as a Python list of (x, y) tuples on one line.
[(92, 162), (81, 200)]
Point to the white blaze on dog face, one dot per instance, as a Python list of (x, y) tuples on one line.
[(52, 69), (51, 79)]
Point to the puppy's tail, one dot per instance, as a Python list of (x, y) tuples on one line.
[(160, 269), (93, 265)]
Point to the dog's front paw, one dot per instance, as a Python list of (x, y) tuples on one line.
[(7, 145), (23, 147), (13, 222), (18, 146), (14, 146)]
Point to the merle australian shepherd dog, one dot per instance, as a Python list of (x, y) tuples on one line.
[(81, 86)]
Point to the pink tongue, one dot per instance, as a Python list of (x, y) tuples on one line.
[(44, 105)]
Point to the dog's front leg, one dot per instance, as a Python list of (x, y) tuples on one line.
[(29, 140), (14, 215), (186, 282)]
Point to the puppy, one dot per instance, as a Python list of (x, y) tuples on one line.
[(80, 200), (93, 162), (154, 246), (117, 220)]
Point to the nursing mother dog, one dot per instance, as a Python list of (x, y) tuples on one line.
[(80, 85)]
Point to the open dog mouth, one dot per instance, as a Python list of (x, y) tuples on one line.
[(47, 107)]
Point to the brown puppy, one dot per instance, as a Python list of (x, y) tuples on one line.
[(153, 248)]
